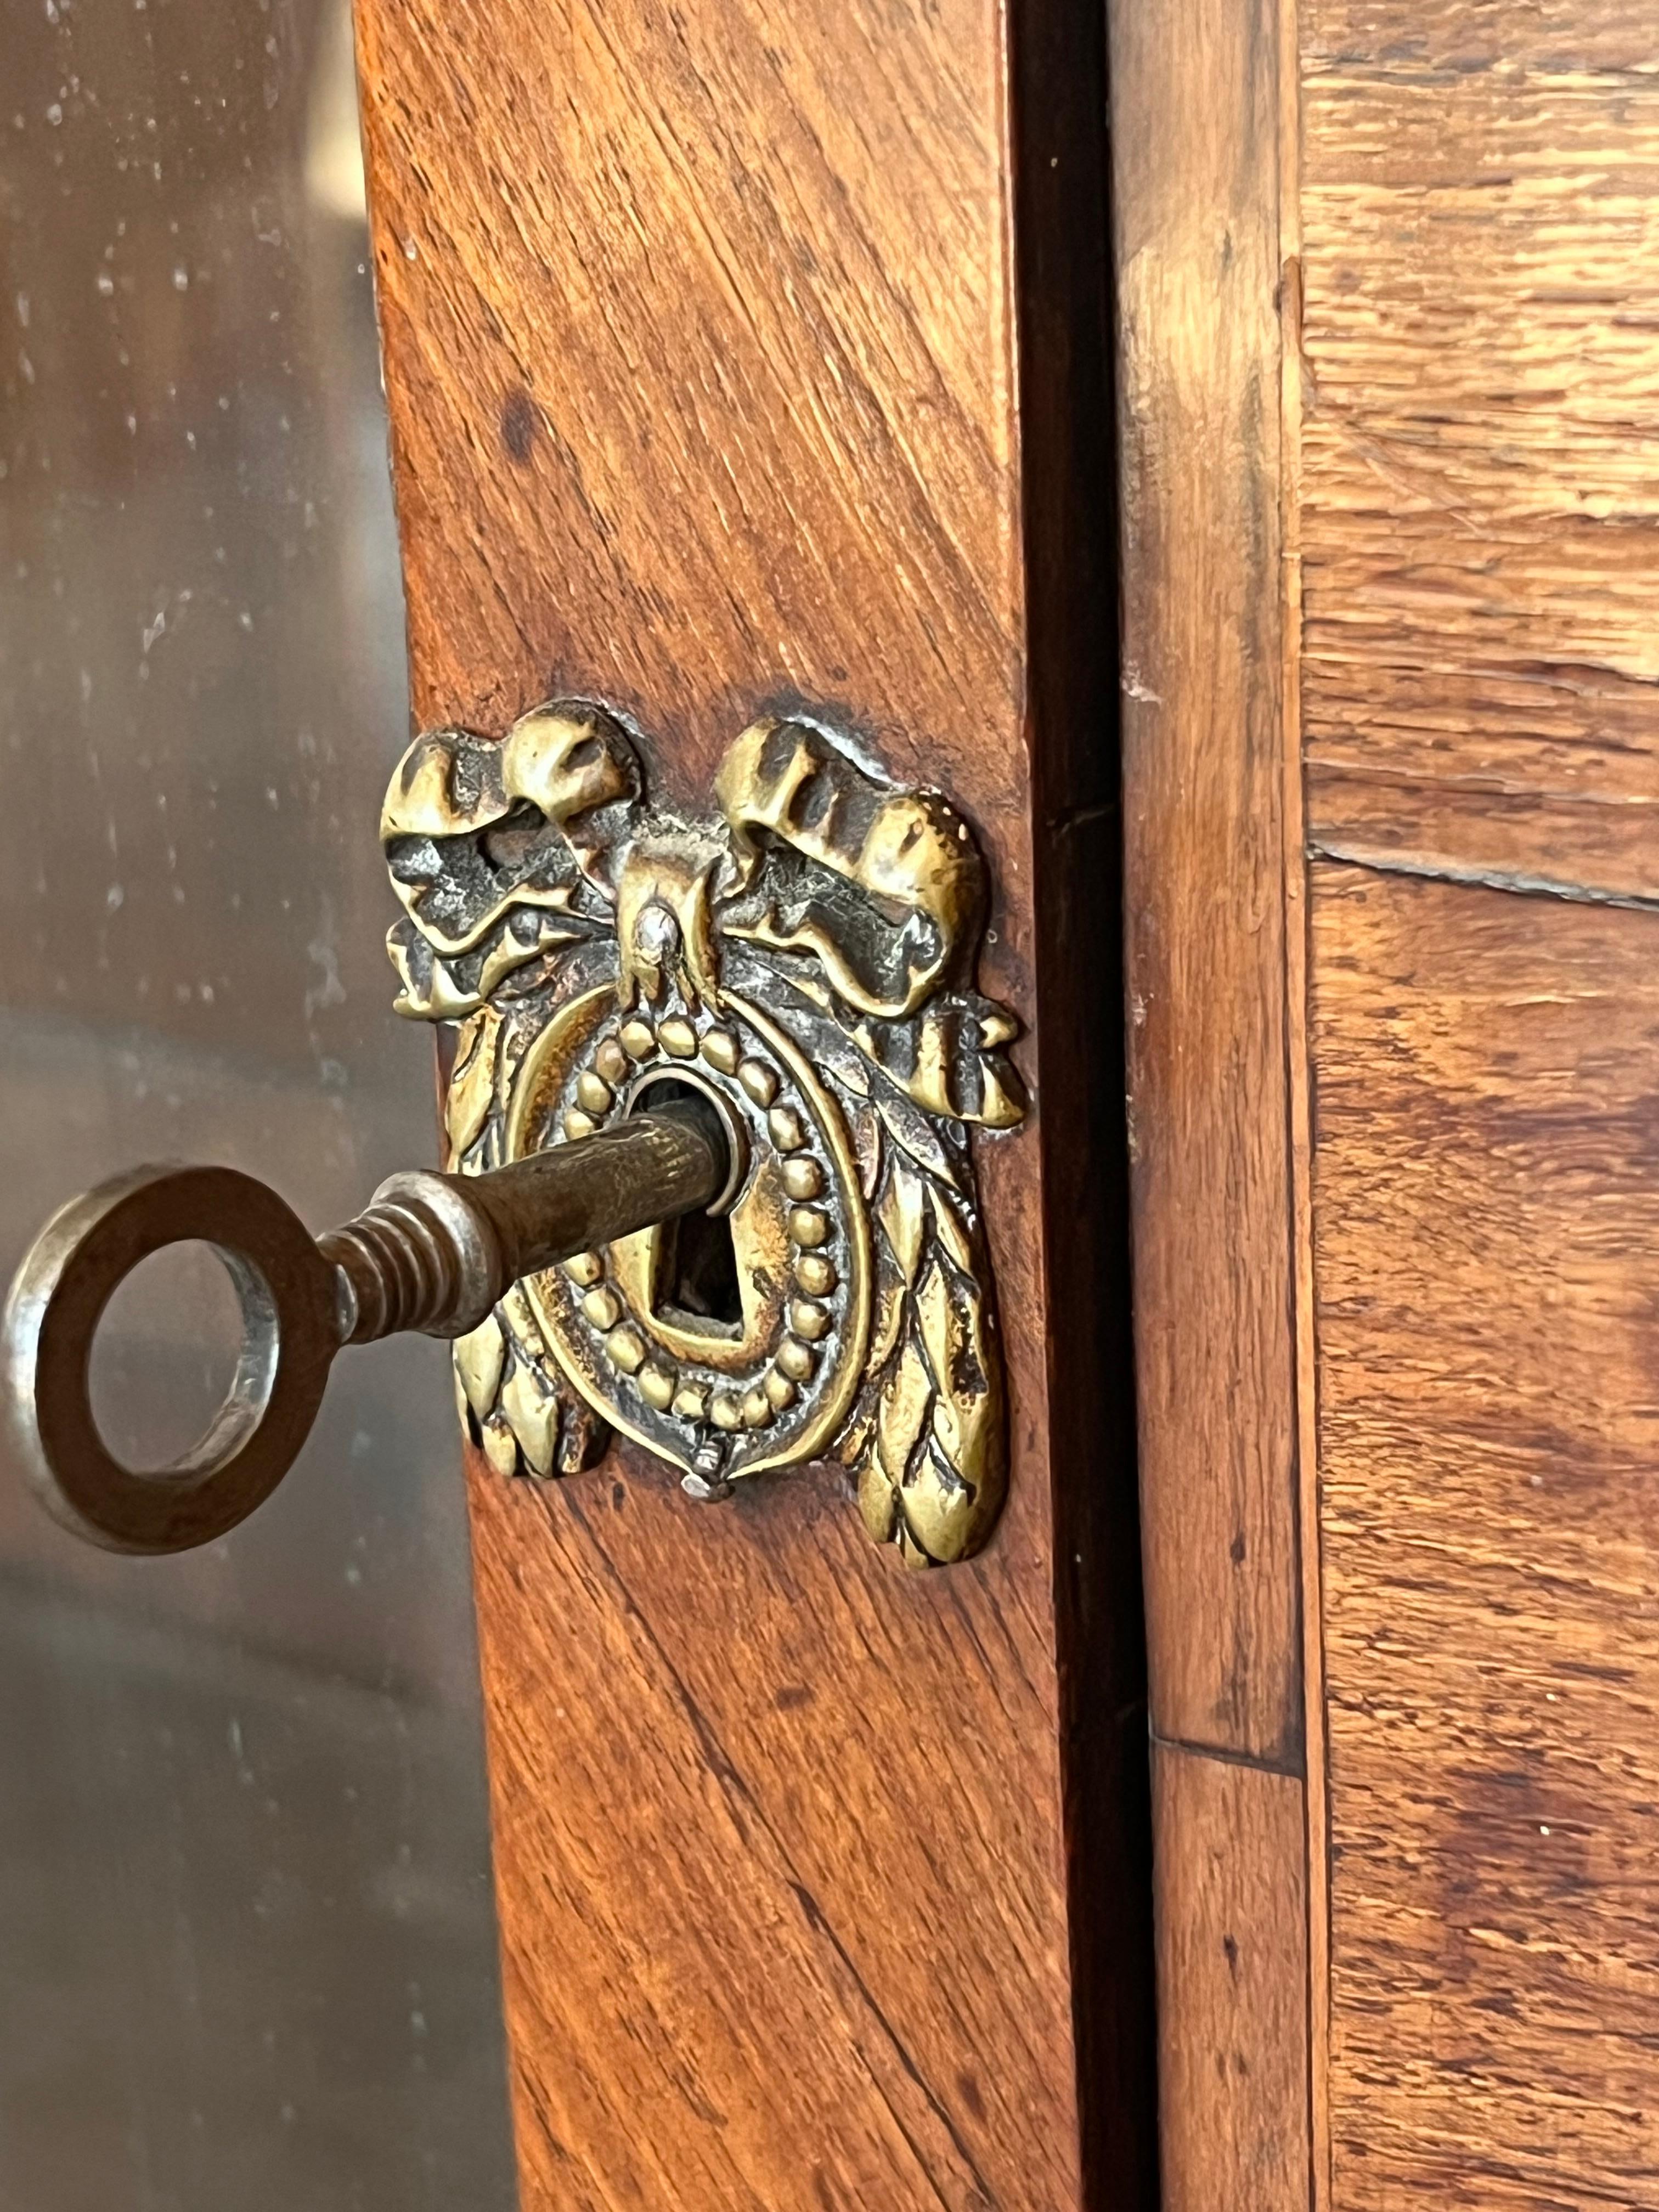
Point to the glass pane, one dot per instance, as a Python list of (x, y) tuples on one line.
[(246, 1942)]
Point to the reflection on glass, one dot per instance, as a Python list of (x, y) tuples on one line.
[(246, 1946), (177, 1312)]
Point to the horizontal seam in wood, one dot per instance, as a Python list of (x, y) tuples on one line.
[(1293, 1769), (1493, 880)]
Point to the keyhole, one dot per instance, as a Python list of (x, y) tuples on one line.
[(694, 1283)]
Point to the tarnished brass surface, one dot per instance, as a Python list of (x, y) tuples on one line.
[(708, 1117), (434, 1252), (804, 959)]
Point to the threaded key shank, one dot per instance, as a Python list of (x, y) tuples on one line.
[(434, 1252)]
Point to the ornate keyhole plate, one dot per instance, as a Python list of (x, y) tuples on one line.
[(721, 1397), (806, 959)]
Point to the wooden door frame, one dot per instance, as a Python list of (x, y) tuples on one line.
[(456, 173), (1205, 96)]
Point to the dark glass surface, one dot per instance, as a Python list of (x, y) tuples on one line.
[(247, 1957)]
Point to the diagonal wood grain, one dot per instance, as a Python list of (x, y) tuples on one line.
[(740, 276), (699, 327), (672, 1865)]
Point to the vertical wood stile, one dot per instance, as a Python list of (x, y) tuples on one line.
[(711, 339), (1204, 107)]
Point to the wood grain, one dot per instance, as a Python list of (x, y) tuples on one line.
[(1465, 483), (1487, 1208), (1481, 440), (1232, 1941), (1481, 404), (703, 1873), (699, 330), (1204, 132), (1204, 743)]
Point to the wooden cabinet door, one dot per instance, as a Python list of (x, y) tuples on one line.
[(1390, 397), (745, 355)]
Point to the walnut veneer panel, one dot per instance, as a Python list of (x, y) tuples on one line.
[(1486, 1202), (699, 330), (1480, 438), (1454, 209)]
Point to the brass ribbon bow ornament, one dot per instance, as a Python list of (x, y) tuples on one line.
[(809, 957)]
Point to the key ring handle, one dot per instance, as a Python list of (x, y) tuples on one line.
[(288, 1295)]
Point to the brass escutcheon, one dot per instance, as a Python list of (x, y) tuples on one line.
[(804, 959)]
